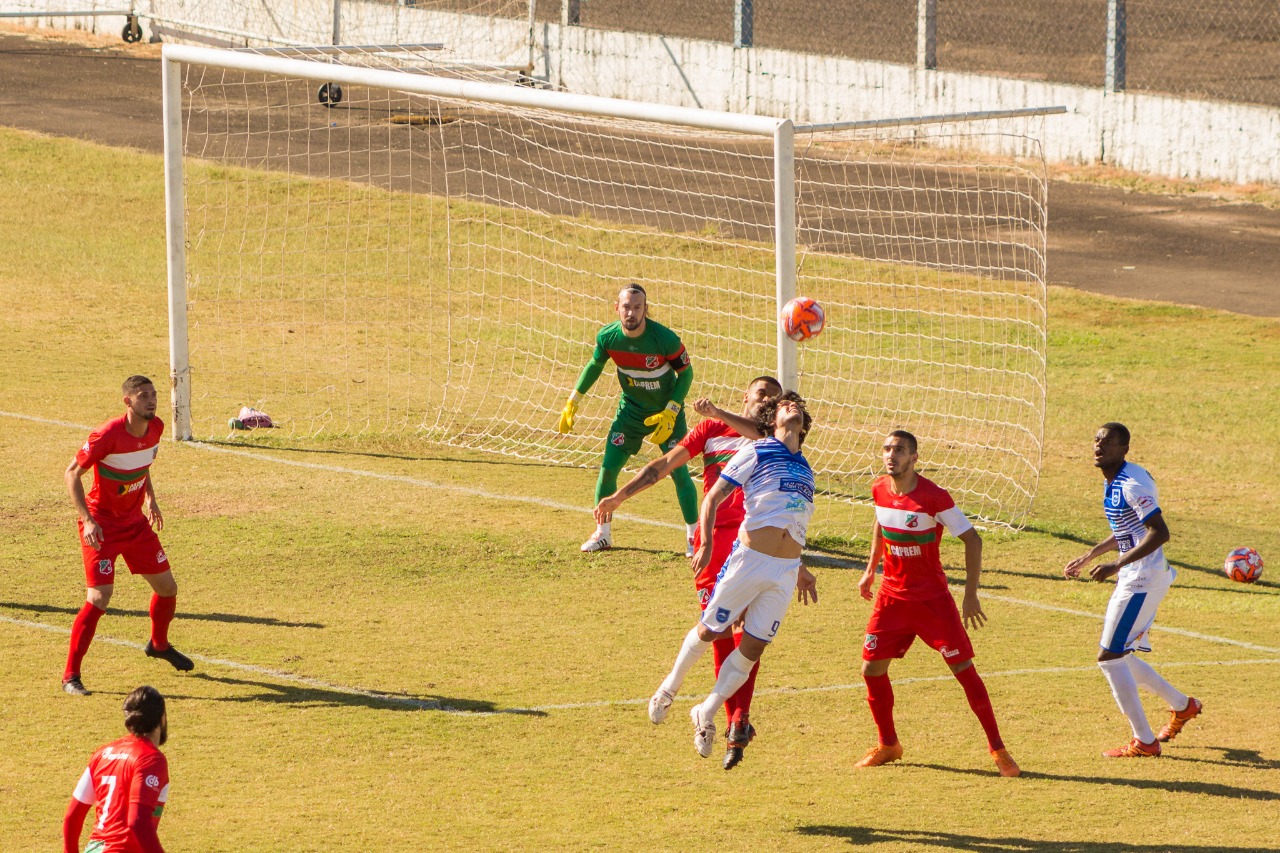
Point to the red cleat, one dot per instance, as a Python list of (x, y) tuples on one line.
[(880, 754), (1005, 763), (1178, 719), (1135, 749)]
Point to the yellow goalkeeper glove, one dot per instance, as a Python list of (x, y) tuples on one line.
[(663, 423), (565, 425)]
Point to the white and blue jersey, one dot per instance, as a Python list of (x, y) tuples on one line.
[(777, 487), (1129, 500)]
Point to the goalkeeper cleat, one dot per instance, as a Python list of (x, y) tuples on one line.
[(180, 662), (1178, 719), (880, 754), (1135, 749), (704, 732), (1005, 763), (597, 542), (659, 705), (75, 687)]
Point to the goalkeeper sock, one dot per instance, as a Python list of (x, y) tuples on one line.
[(602, 531), (691, 529)]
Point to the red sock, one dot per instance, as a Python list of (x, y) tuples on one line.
[(82, 631), (162, 608), (880, 698), (739, 704), (980, 702)]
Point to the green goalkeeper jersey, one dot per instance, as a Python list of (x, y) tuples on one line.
[(653, 369)]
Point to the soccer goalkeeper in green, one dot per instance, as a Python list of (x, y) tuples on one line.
[(655, 375)]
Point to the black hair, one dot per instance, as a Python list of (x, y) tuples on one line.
[(912, 444), (769, 411), (133, 384), (143, 710), (764, 379), (1119, 430)]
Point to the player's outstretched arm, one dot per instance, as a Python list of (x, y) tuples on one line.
[(1074, 568), (868, 579), (648, 475), (1157, 534), (971, 609), (744, 427)]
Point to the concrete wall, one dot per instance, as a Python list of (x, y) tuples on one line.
[(1155, 134)]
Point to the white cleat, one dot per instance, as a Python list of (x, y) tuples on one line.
[(704, 734), (596, 543), (688, 549), (659, 705)]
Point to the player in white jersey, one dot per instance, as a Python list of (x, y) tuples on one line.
[(764, 568), (1138, 532)]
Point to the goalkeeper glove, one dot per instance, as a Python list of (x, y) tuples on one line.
[(663, 423), (565, 424)]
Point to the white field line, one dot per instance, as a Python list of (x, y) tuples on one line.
[(429, 484)]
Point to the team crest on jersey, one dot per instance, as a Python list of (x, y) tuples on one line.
[(948, 652), (617, 439), (153, 781), (105, 567), (704, 595), (722, 615), (160, 556), (1116, 497), (870, 642), (913, 520), (651, 362)]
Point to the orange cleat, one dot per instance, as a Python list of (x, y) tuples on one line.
[(1135, 749), (1178, 719), (880, 754), (1005, 763)]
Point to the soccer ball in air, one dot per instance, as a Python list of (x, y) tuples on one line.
[(1243, 565), (802, 318)]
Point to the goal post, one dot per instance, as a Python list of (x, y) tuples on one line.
[(430, 259)]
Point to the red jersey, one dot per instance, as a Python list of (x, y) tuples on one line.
[(717, 442), (129, 770), (911, 527), (120, 464)]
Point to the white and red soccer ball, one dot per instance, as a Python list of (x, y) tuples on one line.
[(802, 318), (1243, 565)]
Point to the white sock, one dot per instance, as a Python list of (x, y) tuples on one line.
[(1153, 681), (691, 529), (1125, 689), (602, 530), (691, 649), (733, 674)]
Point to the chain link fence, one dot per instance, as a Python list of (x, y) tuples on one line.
[(1217, 49)]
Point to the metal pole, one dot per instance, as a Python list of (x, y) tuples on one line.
[(927, 34), (784, 212), (744, 23), (175, 242), (570, 13), (337, 22), (1117, 45)]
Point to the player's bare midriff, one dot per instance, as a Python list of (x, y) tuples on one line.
[(772, 542)]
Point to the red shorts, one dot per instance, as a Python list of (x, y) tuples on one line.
[(722, 539), (138, 544), (895, 623)]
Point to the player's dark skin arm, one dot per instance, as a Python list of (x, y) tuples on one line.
[(1157, 535)]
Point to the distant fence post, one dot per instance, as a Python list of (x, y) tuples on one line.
[(337, 21), (927, 34), (570, 13), (1117, 45), (743, 23)]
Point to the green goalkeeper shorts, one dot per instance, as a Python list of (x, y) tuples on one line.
[(628, 431)]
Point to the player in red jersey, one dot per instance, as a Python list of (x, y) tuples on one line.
[(116, 520), (914, 600), (716, 441), (128, 780)]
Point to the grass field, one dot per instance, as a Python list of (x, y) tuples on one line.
[(402, 649)]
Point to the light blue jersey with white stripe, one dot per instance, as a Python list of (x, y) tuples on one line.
[(1128, 501), (777, 487)]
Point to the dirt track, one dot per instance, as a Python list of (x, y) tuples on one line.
[(1190, 251)]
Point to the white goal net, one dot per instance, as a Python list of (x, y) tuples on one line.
[(430, 258)]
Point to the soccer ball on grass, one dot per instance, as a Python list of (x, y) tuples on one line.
[(802, 318), (1243, 565)]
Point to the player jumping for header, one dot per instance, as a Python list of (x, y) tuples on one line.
[(655, 375), (716, 440), (1143, 578), (764, 567), (112, 524), (914, 601)]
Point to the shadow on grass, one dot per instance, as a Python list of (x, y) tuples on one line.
[(182, 615), (374, 454), (302, 694), (1245, 759), (1181, 786), (863, 836)]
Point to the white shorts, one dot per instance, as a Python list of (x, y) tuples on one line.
[(755, 582), (1132, 610)]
